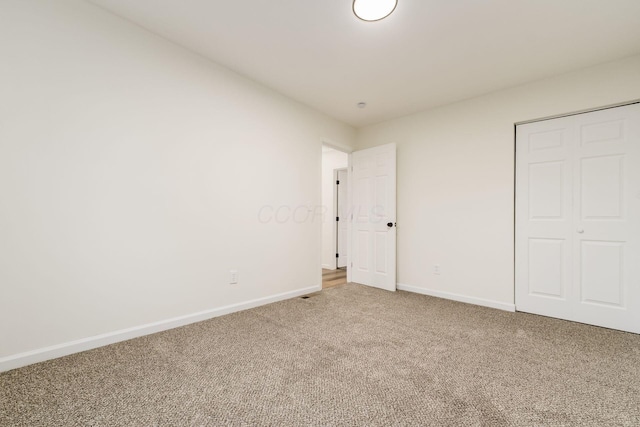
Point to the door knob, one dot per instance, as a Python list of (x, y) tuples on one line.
[(390, 224), (580, 231)]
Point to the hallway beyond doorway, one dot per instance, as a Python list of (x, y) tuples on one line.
[(331, 278)]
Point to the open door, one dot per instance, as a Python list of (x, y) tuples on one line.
[(373, 217)]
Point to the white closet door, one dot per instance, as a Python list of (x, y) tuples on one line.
[(606, 215), (544, 221), (578, 218)]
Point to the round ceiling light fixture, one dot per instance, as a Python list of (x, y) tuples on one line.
[(373, 10)]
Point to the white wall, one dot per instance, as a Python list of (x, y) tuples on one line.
[(132, 175), (331, 160), (456, 179)]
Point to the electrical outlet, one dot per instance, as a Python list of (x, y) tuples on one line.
[(233, 279), (436, 269)]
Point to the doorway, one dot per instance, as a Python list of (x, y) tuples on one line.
[(369, 218), (335, 204)]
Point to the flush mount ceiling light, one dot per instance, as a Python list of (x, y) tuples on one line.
[(373, 10)]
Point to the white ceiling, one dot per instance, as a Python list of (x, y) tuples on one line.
[(427, 53)]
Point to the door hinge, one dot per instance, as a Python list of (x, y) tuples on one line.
[(337, 255), (337, 218), (338, 182)]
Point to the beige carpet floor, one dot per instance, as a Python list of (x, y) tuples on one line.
[(348, 356)]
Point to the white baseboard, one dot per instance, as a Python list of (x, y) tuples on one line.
[(460, 298), (328, 267), (40, 355)]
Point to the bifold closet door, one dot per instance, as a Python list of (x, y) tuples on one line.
[(578, 218)]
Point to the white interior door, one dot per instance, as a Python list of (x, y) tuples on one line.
[(373, 217), (578, 218), (342, 225)]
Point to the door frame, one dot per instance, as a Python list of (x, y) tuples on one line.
[(575, 113), (348, 151), (336, 211)]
